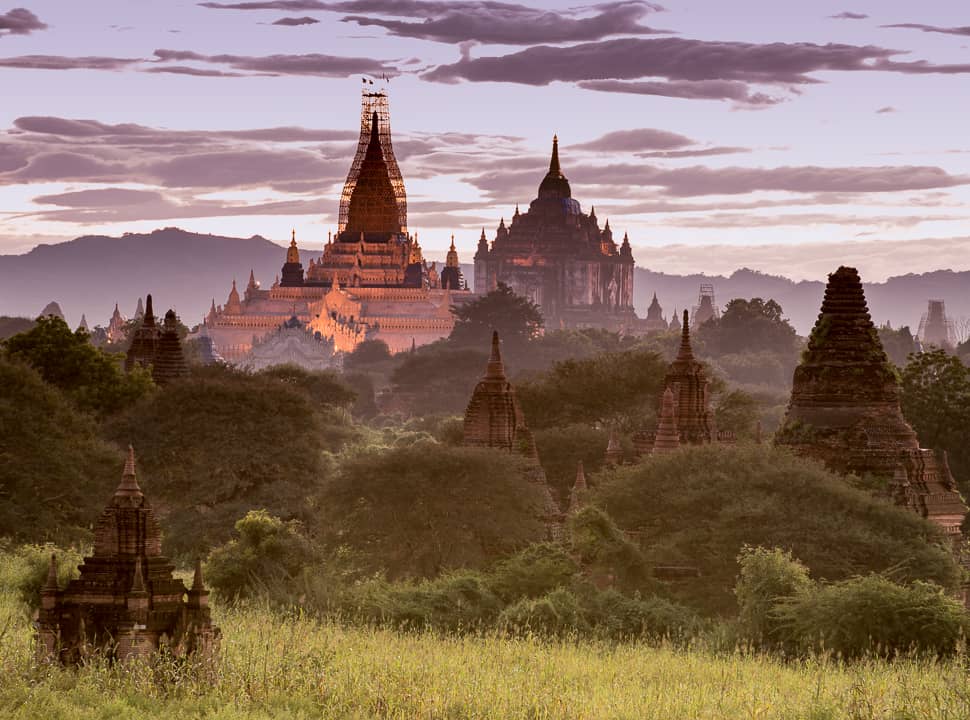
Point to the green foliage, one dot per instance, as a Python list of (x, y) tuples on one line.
[(222, 442), (620, 617), (321, 387), (700, 505), (362, 384), (90, 377), (266, 557), (935, 399), (439, 378), (562, 447), (898, 344), (737, 411), (872, 615), (767, 578), (516, 318), (749, 326), (534, 571), (557, 613), (609, 386), (24, 569), (767, 370), (367, 354), (55, 473), (606, 552), (422, 508)]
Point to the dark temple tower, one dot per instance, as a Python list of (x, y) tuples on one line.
[(558, 257)]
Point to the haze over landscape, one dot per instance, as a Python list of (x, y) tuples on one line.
[(784, 138)]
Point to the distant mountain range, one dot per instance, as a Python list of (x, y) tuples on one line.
[(187, 270)]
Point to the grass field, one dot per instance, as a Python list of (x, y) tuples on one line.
[(276, 666)]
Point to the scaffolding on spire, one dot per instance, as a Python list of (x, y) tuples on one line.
[(375, 101), (706, 308)]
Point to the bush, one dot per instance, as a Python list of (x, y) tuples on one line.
[(619, 617), (606, 552), (767, 578), (23, 569), (534, 571), (560, 450), (700, 505), (268, 558), (557, 613), (873, 615)]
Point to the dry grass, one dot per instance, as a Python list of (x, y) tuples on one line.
[(275, 666)]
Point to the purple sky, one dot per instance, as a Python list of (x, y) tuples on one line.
[(787, 137)]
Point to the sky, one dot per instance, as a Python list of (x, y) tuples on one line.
[(781, 136)]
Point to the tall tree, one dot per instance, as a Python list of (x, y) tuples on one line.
[(749, 326), (516, 318)]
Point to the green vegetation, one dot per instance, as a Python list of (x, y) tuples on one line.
[(700, 506), (935, 399), (516, 318)]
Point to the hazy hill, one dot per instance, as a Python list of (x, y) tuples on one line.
[(186, 270)]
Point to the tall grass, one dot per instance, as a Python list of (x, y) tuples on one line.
[(277, 665)]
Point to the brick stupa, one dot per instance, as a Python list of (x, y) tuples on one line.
[(494, 419), (144, 341), (159, 349), (845, 411), (126, 604), (667, 438)]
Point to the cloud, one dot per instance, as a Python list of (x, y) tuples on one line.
[(60, 62), (20, 21), (965, 30), (193, 71), (100, 198), (746, 220), (885, 110), (732, 90), (508, 24), (683, 61), (293, 21), (847, 15), (635, 140), (309, 64), (292, 5)]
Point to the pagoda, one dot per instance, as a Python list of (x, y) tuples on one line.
[(372, 280), (845, 411), (654, 322), (159, 349), (126, 604), (667, 437), (144, 340), (560, 258), (687, 379)]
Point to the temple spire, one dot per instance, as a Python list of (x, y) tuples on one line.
[(554, 168), (579, 489), (668, 436), (496, 368), (149, 318), (685, 352), (128, 487)]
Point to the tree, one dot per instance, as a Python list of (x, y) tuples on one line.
[(935, 399), (56, 473), (898, 344), (737, 411), (600, 389), (438, 378), (700, 505), (421, 509), (92, 378), (749, 326), (516, 318), (367, 354)]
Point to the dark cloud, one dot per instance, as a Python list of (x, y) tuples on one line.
[(20, 21), (69, 166), (244, 168), (698, 152), (731, 90), (965, 30), (885, 110), (635, 140), (12, 157), (99, 198), (192, 71), (508, 24), (291, 5), (59, 62), (293, 21), (847, 15), (682, 59), (309, 64)]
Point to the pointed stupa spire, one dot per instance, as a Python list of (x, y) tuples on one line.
[(579, 490), (613, 450), (83, 325), (685, 352), (138, 579), (198, 585), (592, 213), (554, 160), (128, 487), (496, 368), (452, 248), (667, 437), (50, 585), (516, 210), (554, 185), (252, 280), (149, 317), (139, 309), (482, 237)]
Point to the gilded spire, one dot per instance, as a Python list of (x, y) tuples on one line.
[(293, 253), (685, 352), (495, 369)]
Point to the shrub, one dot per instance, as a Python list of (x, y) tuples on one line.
[(23, 569), (556, 613), (872, 614), (268, 558), (767, 577), (620, 617), (534, 571), (604, 550)]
